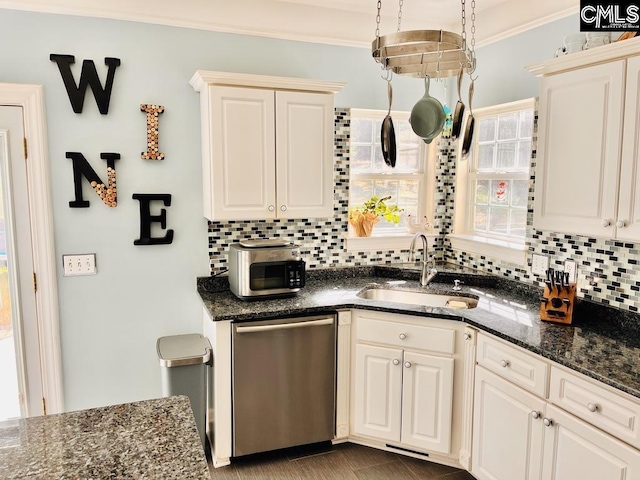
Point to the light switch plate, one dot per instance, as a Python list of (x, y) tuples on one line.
[(81, 264), (539, 264)]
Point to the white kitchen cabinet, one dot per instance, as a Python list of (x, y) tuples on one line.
[(267, 146), (401, 395), (507, 430), (587, 163), (518, 434)]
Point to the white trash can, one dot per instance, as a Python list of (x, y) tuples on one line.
[(184, 362)]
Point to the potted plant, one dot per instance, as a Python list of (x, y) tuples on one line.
[(362, 218)]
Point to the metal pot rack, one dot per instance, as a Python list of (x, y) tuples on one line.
[(418, 53)]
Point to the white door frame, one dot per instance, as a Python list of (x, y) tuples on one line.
[(31, 99)]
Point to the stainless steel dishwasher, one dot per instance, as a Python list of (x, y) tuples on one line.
[(284, 377)]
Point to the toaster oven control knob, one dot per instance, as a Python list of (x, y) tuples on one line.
[(402, 336), (283, 208), (271, 208)]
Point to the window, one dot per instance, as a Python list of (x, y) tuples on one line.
[(369, 175), (494, 181)]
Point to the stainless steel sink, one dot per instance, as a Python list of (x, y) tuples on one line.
[(412, 297)]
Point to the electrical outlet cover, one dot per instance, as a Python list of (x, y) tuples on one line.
[(571, 267), (75, 265), (539, 264)]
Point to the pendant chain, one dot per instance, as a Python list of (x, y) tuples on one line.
[(400, 14), (378, 20)]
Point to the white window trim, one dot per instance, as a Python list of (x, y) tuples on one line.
[(463, 240), (386, 240)]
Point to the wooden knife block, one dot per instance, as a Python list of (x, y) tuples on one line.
[(556, 304)]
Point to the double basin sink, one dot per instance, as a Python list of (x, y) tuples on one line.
[(412, 297)]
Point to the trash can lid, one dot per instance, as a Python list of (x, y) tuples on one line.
[(180, 350)]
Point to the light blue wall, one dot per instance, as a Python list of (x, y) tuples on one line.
[(110, 322)]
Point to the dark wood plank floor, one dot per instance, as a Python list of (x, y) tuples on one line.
[(346, 461)]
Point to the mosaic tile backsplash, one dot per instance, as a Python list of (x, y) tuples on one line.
[(607, 269)]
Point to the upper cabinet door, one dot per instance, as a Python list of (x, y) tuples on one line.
[(304, 154), (579, 148), (628, 221), (242, 173)]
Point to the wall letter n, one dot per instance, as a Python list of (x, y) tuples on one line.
[(82, 168)]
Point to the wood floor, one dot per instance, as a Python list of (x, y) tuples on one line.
[(346, 461)]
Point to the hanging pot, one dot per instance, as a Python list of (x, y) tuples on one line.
[(427, 116), (388, 134), (458, 113), (469, 128)]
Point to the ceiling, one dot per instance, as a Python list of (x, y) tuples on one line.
[(344, 22)]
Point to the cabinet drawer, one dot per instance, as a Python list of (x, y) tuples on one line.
[(406, 335), (599, 405), (514, 364)]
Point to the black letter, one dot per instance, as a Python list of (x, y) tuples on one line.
[(81, 167), (88, 77), (146, 219)]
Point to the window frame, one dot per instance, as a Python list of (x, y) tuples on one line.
[(389, 239), (464, 237)]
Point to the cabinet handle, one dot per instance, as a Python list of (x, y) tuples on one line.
[(283, 208), (605, 223), (467, 336), (407, 364), (504, 363), (621, 224), (592, 407), (535, 414), (271, 208), (547, 422), (402, 336), (396, 361)]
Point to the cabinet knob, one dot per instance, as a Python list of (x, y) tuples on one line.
[(535, 414), (504, 363), (547, 422), (605, 223), (621, 224), (283, 208), (407, 364), (396, 361), (271, 208), (592, 407), (467, 336), (402, 336)]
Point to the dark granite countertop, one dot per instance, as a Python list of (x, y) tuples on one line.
[(154, 439), (603, 343)]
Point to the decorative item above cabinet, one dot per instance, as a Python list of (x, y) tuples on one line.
[(267, 146), (588, 163)]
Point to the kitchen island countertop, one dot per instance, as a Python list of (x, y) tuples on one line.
[(153, 439), (603, 343)]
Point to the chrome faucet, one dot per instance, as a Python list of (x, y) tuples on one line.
[(427, 274)]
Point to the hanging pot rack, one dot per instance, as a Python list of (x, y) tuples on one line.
[(418, 53)]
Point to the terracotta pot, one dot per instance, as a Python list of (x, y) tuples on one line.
[(363, 223)]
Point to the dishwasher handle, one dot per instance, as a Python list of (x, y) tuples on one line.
[(284, 326)]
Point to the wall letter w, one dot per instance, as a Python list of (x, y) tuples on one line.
[(88, 77)]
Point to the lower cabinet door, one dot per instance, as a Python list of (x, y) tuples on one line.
[(574, 449), (427, 402), (378, 391), (507, 431)]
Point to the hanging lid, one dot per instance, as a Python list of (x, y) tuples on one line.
[(265, 242)]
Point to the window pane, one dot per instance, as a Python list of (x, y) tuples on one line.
[(500, 192), (408, 192), (524, 154), (526, 124), (360, 158), (508, 126), (361, 130), (485, 156), (518, 222), (487, 129), (360, 191), (506, 156), (482, 191), (480, 218), (378, 159), (385, 188), (498, 220), (519, 193)]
